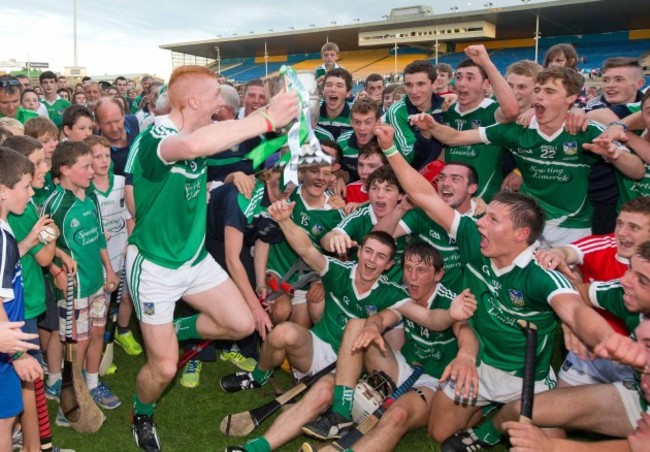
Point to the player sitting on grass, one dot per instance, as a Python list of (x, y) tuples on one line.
[(315, 211), (430, 342), (611, 409), (498, 251), (352, 290)]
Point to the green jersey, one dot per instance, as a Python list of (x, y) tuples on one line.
[(521, 291), (82, 236), (323, 134), (486, 159), (608, 295), (418, 224), (335, 126), (555, 169), (322, 70), (433, 349), (315, 222), (343, 302), (55, 110), (33, 280), (41, 194), (629, 189), (22, 116), (359, 224), (170, 200)]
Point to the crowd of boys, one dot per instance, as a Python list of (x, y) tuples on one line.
[(449, 208)]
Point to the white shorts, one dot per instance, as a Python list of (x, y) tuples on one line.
[(156, 289), (576, 371), (631, 401), (556, 236), (322, 355), (496, 385), (404, 370)]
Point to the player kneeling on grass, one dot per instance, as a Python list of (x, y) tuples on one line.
[(430, 321), (352, 290)]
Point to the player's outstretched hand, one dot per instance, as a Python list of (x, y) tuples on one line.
[(462, 371), (385, 134), (463, 306), (367, 336), (422, 121), (608, 149), (28, 369), (13, 340), (527, 437), (281, 211), (340, 243), (622, 349), (283, 108)]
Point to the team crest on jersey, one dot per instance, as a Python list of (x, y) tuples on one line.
[(149, 308), (317, 230), (570, 148), (516, 297), (371, 309), (74, 223), (476, 123)]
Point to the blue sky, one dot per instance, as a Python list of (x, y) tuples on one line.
[(120, 36)]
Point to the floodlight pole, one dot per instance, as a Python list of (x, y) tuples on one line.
[(537, 38), (396, 57), (218, 59), (74, 29), (266, 60), (437, 44)]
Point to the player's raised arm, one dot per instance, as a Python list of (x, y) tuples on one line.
[(443, 133), (222, 135), (508, 110), (280, 211), (594, 331), (419, 190)]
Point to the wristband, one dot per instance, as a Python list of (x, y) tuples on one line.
[(15, 356), (58, 273), (618, 123), (270, 124), (517, 172), (390, 151)]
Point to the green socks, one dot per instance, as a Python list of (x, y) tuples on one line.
[(342, 403), (261, 376), (259, 444), (487, 433), (142, 408), (186, 328)]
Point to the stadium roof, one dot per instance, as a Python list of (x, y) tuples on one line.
[(557, 18)]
